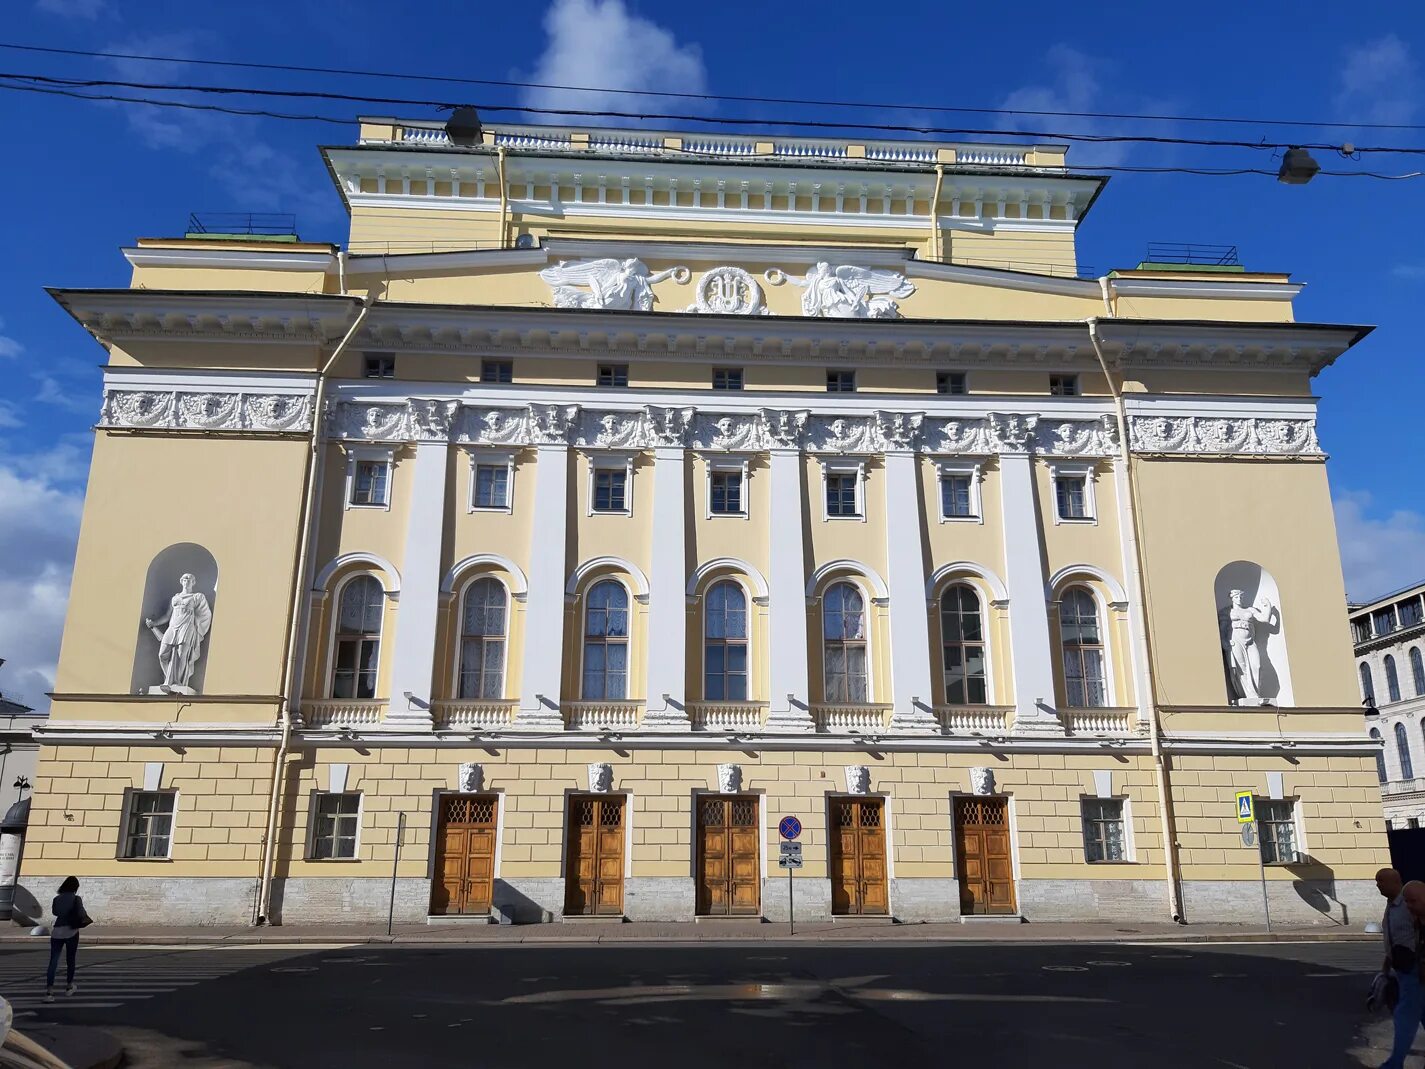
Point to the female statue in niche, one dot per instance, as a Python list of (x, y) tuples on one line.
[(179, 647), (1244, 653)]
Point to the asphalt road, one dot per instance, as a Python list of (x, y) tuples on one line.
[(741, 1005)]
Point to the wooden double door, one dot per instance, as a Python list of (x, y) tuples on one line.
[(982, 855), (465, 854), (729, 862), (858, 857), (593, 871)]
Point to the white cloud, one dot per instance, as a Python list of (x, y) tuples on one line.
[(9, 415), (1379, 553), (73, 9), (70, 398), (1409, 272), (1379, 82), (1072, 85), (599, 44), (9, 347)]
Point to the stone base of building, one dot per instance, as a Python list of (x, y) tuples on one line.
[(1094, 900), (1346, 903), (926, 899), (182, 902), (811, 898), (322, 900), (529, 899), (659, 898)]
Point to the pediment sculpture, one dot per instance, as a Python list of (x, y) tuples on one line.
[(848, 292), (626, 285)]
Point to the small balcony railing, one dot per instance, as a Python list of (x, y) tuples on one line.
[(343, 712), (975, 719), (1114, 723), (594, 716), (727, 716), (851, 717), (474, 713)]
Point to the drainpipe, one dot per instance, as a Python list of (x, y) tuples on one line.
[(299, 584), (504, 194), (1143, 683), (937, 243)]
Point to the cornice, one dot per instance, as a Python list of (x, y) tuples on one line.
[(254, 260), (1216, 289)]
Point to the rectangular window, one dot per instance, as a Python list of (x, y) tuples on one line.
[(497, 371), (610, 486), (368, 487), (841, 494), (727, 378), (1103, 830), (1383, 621), (335, 819), (354, 674), (1071, 493), (1361, 629), (492, 486), (148, 831), (725, 493), (841, 382), (614, 375), (951, 382), (1064, 385), (1410, 613), (378, 366), (1276, 823), (956, 501)]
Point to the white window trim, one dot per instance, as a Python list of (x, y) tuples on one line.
[(986, 604), (312, 827), (492, 459), (464, 589), (123, 853), (1102, 608), (844, 466), (867, 601), (1130, 853), (1298, 828), (611, 461), (724, 463), (380, 454), (629, 602), (749, 605), (1086, 471), (975, 470), (334, 625)]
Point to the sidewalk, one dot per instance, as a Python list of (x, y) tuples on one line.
[(573, 933)]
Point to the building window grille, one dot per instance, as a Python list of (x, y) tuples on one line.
[(378, 366), (727, 378), (148, 830), (498, 371), (1082, 641), (610, 490), (482, 640), (725, 644), (951, 382), (841, 382), (843, 625), (1276, 822), (725, 489), (1064, 385), (358, 638), (606, 643), (612, 375), (1104, 838), (962, 638)]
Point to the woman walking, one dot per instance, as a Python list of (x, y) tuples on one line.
[(69, 917)]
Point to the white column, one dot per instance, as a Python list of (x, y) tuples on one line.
[(417, 613), (667, 581), (542, 672), (787, 614), (910, 633), (1030, 652)]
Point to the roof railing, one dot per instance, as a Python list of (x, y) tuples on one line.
[(247, 223), (1178, 252)]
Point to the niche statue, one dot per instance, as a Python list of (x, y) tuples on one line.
[(1244, 655), (181, 644)]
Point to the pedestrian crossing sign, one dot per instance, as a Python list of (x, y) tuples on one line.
[(1246, 811)]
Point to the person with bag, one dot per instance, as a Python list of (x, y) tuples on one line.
[(69, 918)]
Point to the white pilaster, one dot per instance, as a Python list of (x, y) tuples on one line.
[(910, 632), (542, 672), (417, 613), (667, 603), (1030, 651), (787, 614)]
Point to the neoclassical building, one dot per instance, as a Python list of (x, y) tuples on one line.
[(1390, 661), (613, 494)]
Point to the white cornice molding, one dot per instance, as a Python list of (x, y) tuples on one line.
[(720, 252), (382, 263), (256, 260), (1208, 288), (1010, 280)]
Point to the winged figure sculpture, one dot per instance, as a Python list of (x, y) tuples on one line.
[(606, 283), (848, 292)]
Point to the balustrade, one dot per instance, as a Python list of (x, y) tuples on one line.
[(342, 712), (859, 717), (594, 716), (727, 716), (482, 713)]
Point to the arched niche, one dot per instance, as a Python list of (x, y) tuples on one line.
[(1264, 628), (164, 577)]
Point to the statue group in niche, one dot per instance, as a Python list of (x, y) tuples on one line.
[(181, 644), (1244, 655)]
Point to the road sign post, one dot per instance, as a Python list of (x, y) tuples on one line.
[(1246, 806), (791, 858)]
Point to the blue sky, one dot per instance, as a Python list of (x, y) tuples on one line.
[(83, 179)]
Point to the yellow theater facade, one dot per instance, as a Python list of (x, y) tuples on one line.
[(613, 495)]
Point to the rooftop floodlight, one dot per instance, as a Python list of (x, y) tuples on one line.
[(1297, 168), (463, 127)]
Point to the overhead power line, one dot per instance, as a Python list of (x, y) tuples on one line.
[(760, 123), (710, 97)]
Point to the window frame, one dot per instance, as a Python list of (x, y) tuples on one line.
[(983, 643), (841, 374), (379, 361), (975, 471), (726, 372), (335, 637), (628, 603), (460, 637), (1067, 378), (865, 642), (622, 462), (1392, 679), (1404, 758), (1299, 847), (1367, 678), (1381, 771), (738, 466), (313, 801), (368, 454), (1088, 472), (844, 466), (1417, 670), (1124, 820), (1101, 620), (616, 371), (947, 378), (491, 459), (503, 369), (131, 796), (745, 640)]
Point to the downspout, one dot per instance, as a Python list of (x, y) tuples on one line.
[(299, 584), (937, 243), (504, 194), (1143, 683)]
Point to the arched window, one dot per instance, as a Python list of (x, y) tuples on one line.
[(725, 644), (1402, 743), (1392, 681), (962, 643), (358, 638), (1368, 684), (843, 629), (1083, 649), (482, 640), (606, 643), (1380, 756), (1417, 669)]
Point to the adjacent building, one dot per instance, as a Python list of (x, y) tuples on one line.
[(1390, 663), (612, 495)]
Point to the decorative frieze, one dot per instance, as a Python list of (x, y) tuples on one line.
[(275, 413), (1223, 435)]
